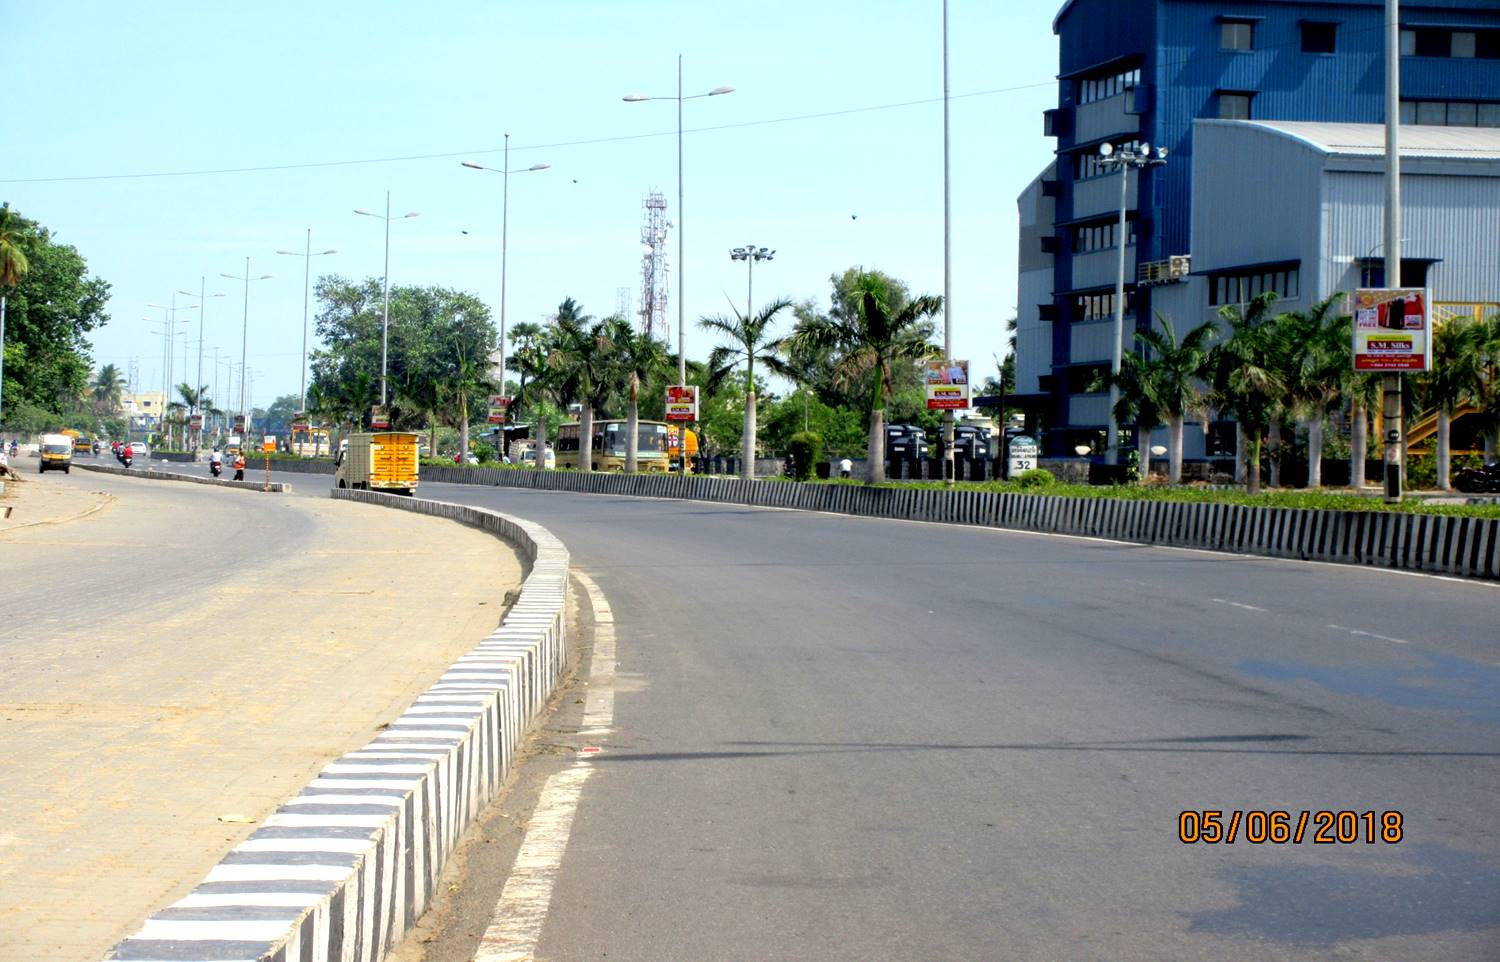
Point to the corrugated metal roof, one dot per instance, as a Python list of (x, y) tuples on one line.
[(1368, 140)]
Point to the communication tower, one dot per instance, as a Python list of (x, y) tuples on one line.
[(654, 267)]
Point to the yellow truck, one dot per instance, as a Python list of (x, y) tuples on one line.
[(56, 452), (382, 461)]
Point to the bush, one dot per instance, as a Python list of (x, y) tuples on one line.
[(1036, 478), (804, 449)]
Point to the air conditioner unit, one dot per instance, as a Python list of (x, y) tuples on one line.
[(1180, 265)]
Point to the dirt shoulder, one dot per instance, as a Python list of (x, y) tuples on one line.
[(37, 499)]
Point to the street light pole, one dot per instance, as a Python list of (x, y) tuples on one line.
[(307, 255), (750, 254), (505, 173), (1125, 159), (385, 309), (681, 241), (245, 327), (1391, 401), (202, 308), (948, 472)]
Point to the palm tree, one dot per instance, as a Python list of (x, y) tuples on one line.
[(1363, 390), (194, 400), (871, 339), (538, 380), (13, 267), (1136, 403), (1455, 379), (639, 357), (1317, 349), (749, 337), (581, 355), (106, 390), (1246, 377), (1171, 372)]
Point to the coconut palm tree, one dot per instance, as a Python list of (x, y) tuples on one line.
[(749, 337), (1246, 374), (582, 358), (638, 357), (13, 267), (870, 339), (1136, 403), (1317, 350), (1455, 379), (194, 400), (107, 389), (1172, 372)]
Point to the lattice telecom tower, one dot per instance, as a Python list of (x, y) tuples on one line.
[(654, 267)]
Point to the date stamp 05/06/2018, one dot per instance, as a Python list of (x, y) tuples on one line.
[(1276, 827)]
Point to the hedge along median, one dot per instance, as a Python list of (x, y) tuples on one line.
[(1417, 542), (342, 870), (276, 487)]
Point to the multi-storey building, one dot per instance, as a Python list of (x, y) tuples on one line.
[(1142, 72)]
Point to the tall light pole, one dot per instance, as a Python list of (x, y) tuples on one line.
[(203, 297), (948, 472), (1125, 159), (1391, 400), (505, 172), (750, 254), (245, 326), (307, 256), (170, 321), (681, 243), (385, 310)]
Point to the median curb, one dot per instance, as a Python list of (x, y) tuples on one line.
[(277, 487), (342, 870), (1431, 543)]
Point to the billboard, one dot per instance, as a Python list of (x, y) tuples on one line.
[(380, 418), (947, 385), (499, 405), (1392, 330), (682, 402)]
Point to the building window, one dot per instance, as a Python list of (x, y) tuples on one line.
[(1234, 106), (1241, 287), (1087, 164), (1457, 44), (1097, 307), (1099, 237), (1318, 37), (1413, 273), (1450, 113), (1236, 35), (1091, 89)]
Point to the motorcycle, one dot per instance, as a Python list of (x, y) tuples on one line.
[(216, 467), (1483, 480), (126, 458)]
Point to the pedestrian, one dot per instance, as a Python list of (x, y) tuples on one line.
[(846, 468), (5, 471), (239, 466)]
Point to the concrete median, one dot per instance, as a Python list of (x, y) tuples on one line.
[(343, 869), (276, 487)]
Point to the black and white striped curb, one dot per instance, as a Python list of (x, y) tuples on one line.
[(341, 871), (1438, 544), (277, 487)]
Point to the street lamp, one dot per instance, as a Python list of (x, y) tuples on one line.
[(681, 246), (385, 310), (307, 256), (505, 172), (245, 327), (169, 320), (750, 254), (1123, 159), (203, 297)]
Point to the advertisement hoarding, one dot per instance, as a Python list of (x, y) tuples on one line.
[(239, 423), (947, 385), (682, 403), (268, 443), (1392, 330), (195, 421), (380, 419), (499, 405)]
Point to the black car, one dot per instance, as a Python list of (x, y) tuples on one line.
[(1485, 480)]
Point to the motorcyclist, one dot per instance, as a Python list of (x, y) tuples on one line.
[(216, 463)]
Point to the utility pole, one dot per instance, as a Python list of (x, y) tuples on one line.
[(1391, 401)]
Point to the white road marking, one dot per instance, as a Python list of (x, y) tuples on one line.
[(1369, 634), (516, 925), (1236, 604)]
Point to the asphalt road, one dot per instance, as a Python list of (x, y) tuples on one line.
[(842, 738)]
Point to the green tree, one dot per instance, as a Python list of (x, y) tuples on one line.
[(1171, 372), (582, 357), (873, 337), (1317, 368), (1456, 378), (13, 267), (750, 341), (107, 390), (1246, 375), (1136, 401), (638, 357)]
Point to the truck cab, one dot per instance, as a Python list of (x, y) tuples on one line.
[(381, 461)]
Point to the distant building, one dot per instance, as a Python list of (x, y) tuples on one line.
[(143, 408), (1176, 73)]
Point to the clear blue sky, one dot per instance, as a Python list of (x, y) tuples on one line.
[(104, 88)]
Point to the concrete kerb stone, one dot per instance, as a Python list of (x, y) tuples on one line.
[(342, 870), (277, 487)]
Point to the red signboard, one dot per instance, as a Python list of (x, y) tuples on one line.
[(682, 402)]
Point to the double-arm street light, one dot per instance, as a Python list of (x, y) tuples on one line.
[(385, 310), (505, 172), (245, 328), (750, 254), (681, 245), (203, 297), (1123, 159), (307, 255), (169, 321)]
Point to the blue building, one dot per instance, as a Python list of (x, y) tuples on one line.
[(1144, 71)]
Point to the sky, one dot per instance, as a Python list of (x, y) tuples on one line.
[(170, 141)]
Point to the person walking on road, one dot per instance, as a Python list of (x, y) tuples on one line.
[(846, 467), (239, 467)]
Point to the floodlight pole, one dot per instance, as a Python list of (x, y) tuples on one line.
[(1391, 399)]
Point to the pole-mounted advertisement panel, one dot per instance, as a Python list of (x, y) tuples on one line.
[(1392, 329), (947, 385), (682, 402), (499, 405)]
